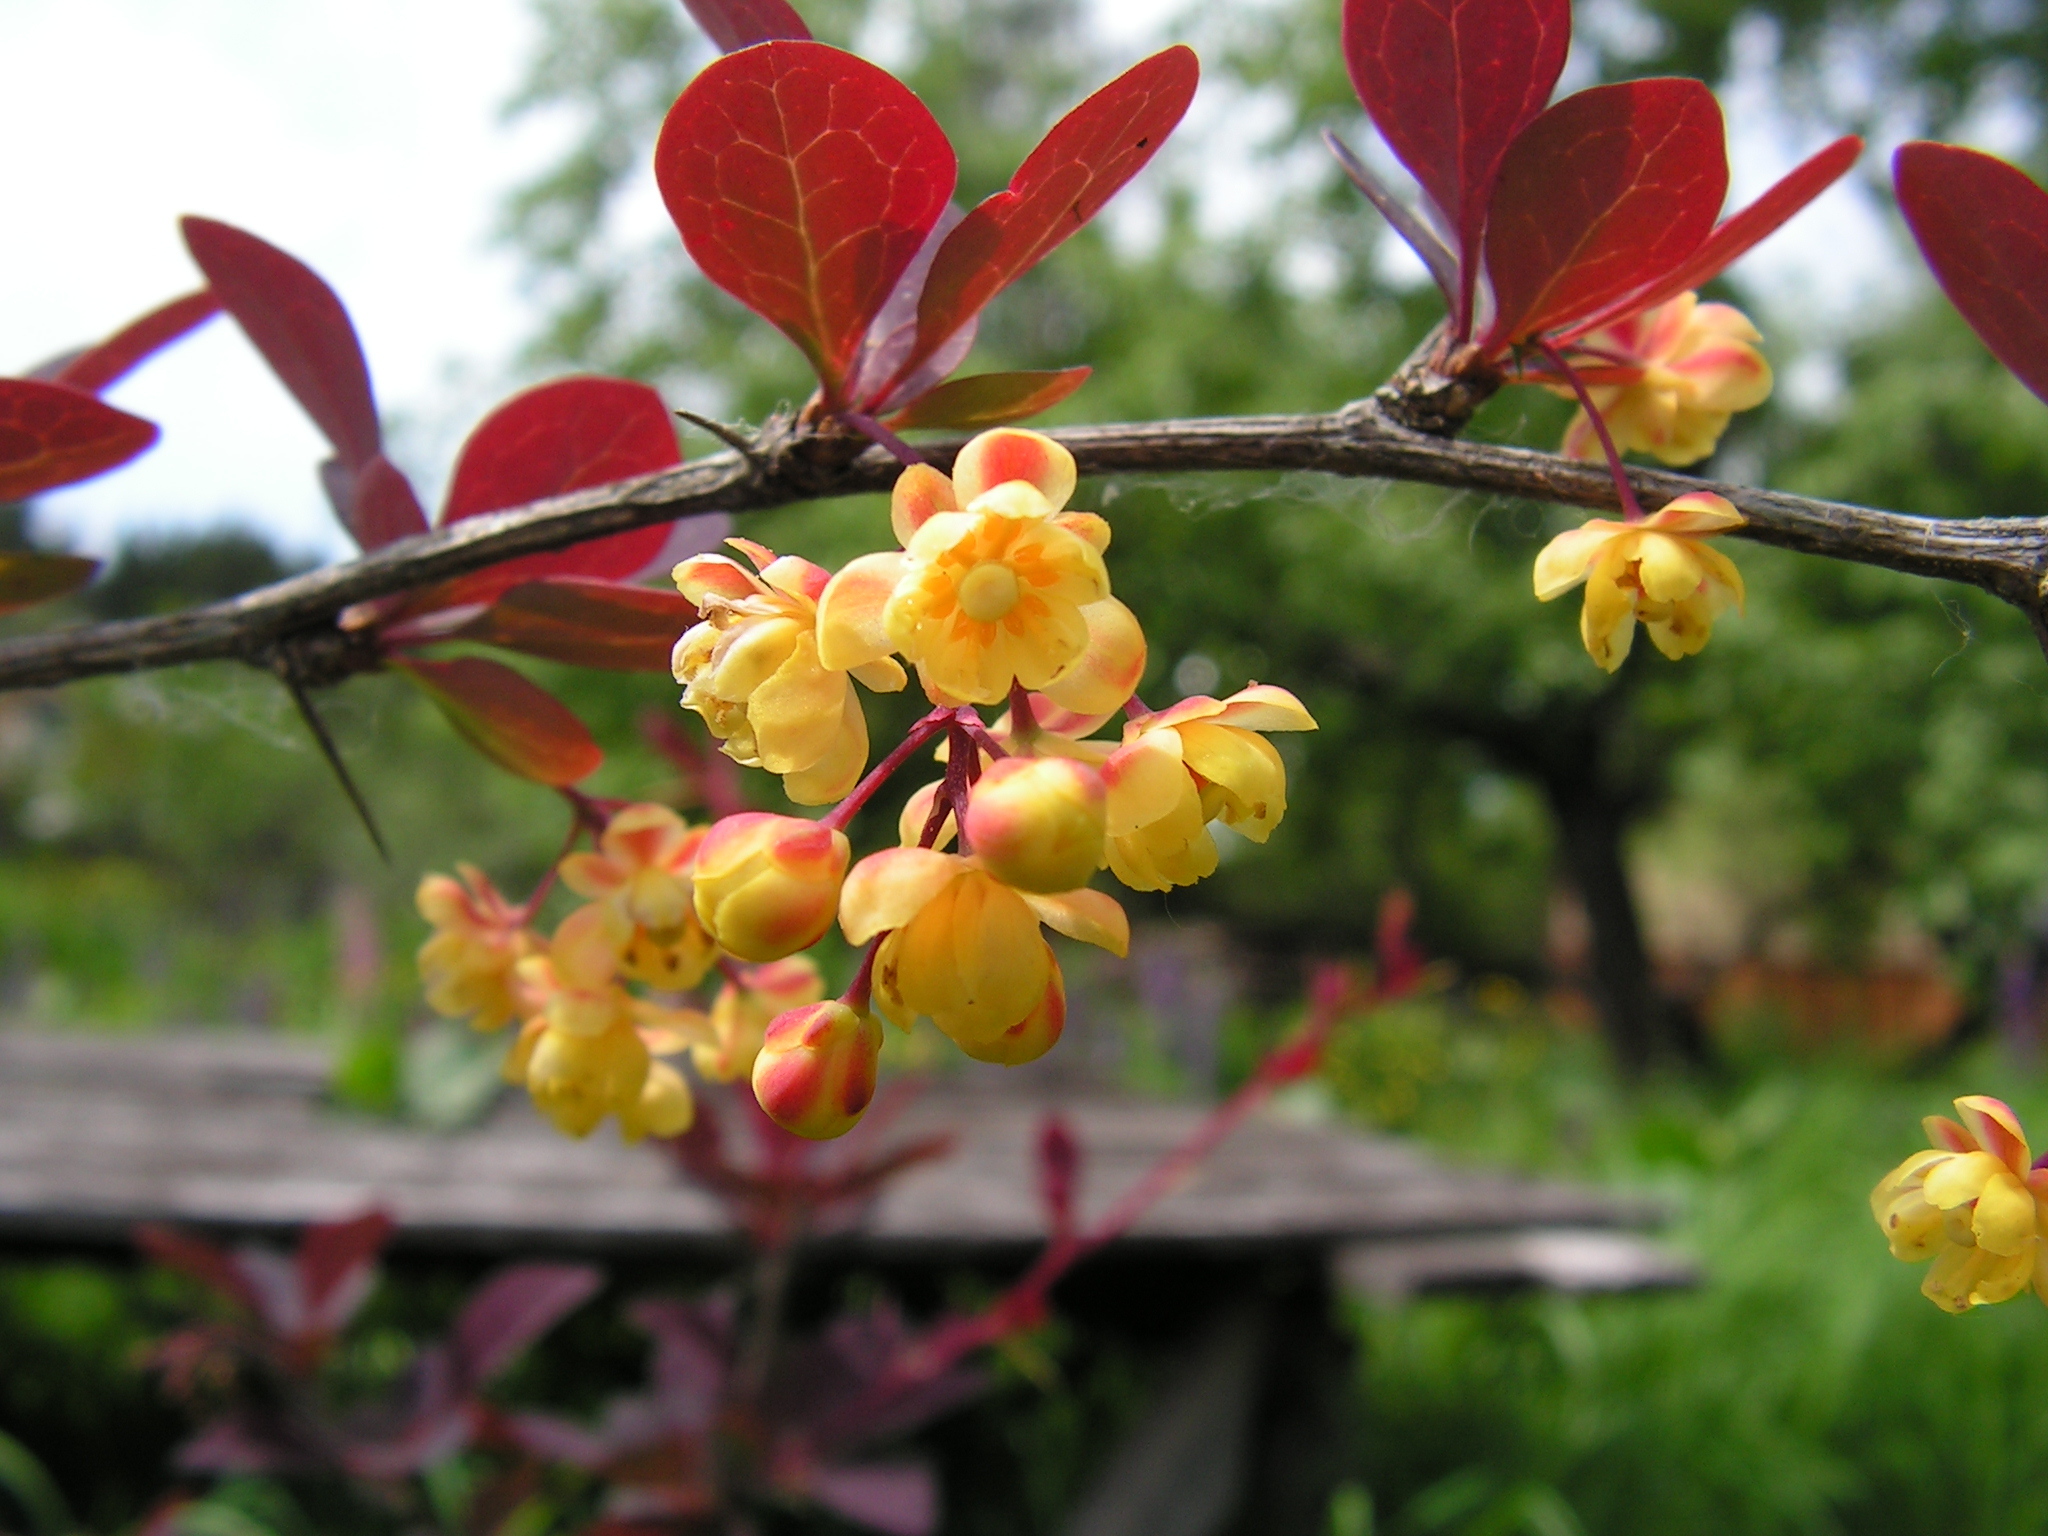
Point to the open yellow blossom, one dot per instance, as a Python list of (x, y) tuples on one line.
[(1660, 571), (1668, 380), (750, 667), (995, 584), (963, 949), (1974, 1203), (1182, 767), (640, 876), (479, 937)]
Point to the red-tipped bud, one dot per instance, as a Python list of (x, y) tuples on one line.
[(816, 1071), (768, 886), (1036, 823)]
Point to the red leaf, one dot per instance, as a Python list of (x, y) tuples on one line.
[(1449, 83), (51, 435), (737, 24), (554, 438), (585, 623), (1089, 154), (28, 579), (989, 399), (803, 181), (210, 1266), (294, 319), (97, 367), (1599, 195), (516, 724), (334, 1260), (512, 1309), (1983, 227), (1734, 235), (382, 506)]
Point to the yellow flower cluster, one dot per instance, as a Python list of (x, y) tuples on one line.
[(996, 594), (588, 1047)]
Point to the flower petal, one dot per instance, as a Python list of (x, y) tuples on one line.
[(1093, 917), (1696, 512), (1108, 672), (1669, 569), (850, 632), (703, 576), (1012, 453), (834, 774), (886, 890), (799, 714), (1263, 707), (1997, 1130), (1568, 559), (1961, 1179), (1145, 778), (919, 492), (2004, 1218)]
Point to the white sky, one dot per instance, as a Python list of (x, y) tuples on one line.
[(366, 139)]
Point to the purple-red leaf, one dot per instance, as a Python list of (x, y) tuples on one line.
[(512, 1309), (210, 1266), (334, 1260), (294, 319), (585, 623), (381, 505), (1601, 194), (803, 181), (27, 579), (900, 1498), (1449, 84), (51, 435), (1076, 168), (1734, 235), (1983, 227), (737, 24), (989, 399), (516, 724), (99, 366), (546, 441)]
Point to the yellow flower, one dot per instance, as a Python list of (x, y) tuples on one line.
[(641, 877), (741, 1013), (467, 966), (965, 950), (1672, 376), (587, 1049), (1974, 1204), (750, 667), (1185, 766), (995, 584), (1660, 571)]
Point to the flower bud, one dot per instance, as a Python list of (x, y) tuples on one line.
[(816, 1071), (741, 1015), (1036, 823), (576, 1080), (768, 886)]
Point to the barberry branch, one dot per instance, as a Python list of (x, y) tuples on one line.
[(2007, 557)]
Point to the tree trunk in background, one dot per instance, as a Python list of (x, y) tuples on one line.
[(1641, 1024)]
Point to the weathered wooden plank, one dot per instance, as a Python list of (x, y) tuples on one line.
[(97, 1133)]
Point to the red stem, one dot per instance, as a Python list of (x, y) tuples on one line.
[(864, 791), (856, 995), (1632, 510)]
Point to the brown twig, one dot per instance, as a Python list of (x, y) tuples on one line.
[(2004, 556)]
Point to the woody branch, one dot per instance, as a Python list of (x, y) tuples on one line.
[(290, 626)]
